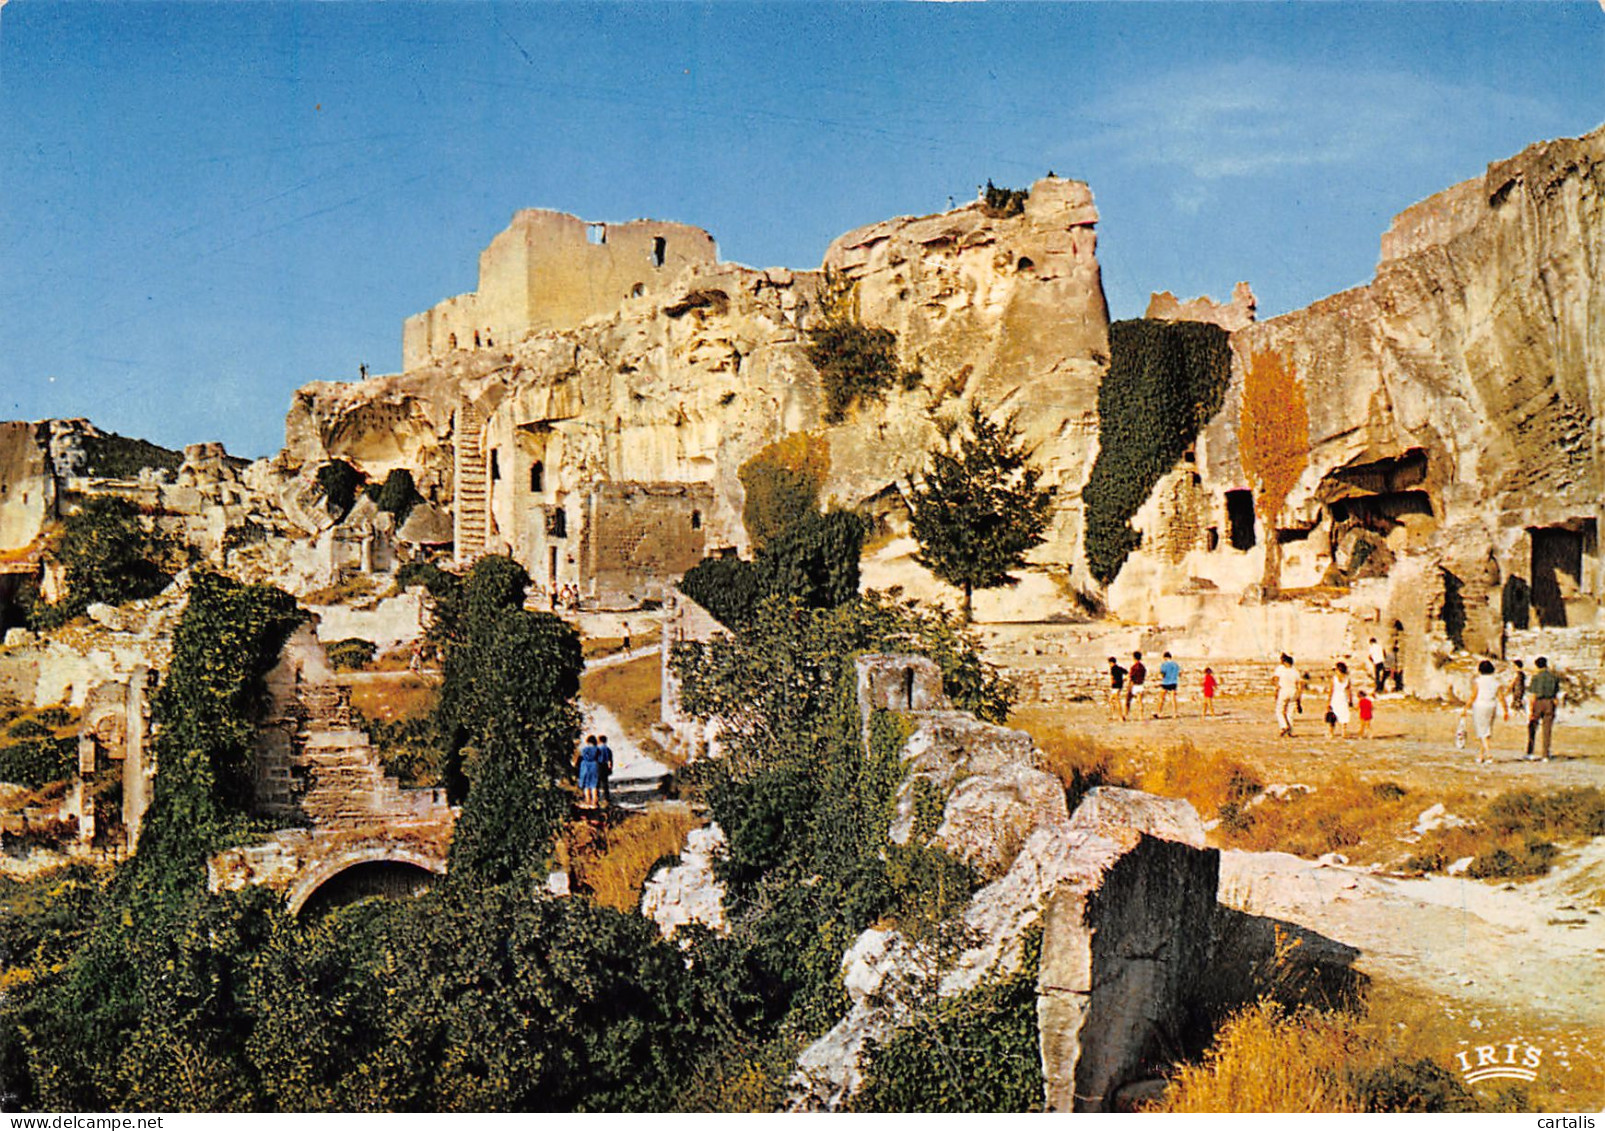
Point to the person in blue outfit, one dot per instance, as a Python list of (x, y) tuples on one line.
[(1169, 682), (604, 767), (589, 760)]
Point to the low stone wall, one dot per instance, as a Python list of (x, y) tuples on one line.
[(1576, 654), (1054, 684)]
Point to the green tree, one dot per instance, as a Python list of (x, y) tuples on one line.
[(507, 712), (977, 508), (340, 483), (110, 555), (814, 559)]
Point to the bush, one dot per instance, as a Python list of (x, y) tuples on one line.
[(340, 483), (36, 762), (975, 1052), (1417, 1085), (729, 588), (1165, 380), (1001, 203), (110, 556), (782, 483), (110, 456), (855, 362), (397, 495), (814, 560), (351, 654)]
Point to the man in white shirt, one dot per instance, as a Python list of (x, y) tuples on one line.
[(1379, 664), (1287, 686)]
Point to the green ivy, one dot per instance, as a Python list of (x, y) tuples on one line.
[(1165, 380), (397, 495), (977, 1051), (36, 762), (814, 559), (340, 483), (110, 456), (110, 554), (855, 362)]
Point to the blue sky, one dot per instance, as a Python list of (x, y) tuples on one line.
[(205, 205)]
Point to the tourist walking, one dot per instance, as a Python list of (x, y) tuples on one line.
[(1342, 700), (1117, 693), (1379, 665), (589, 762), (1209, 687), (1516, 692), (1365, 708), (1169, 685), (1287, 693), (604, 768), (1486, 697), (1134, 685), (1543, 692)]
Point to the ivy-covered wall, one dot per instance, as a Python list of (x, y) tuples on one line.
[(1165, 380)]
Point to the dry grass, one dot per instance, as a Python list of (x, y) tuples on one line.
[(351, 589), (633, 692), (1266, 1059), (394, 697), (1399, 1048), (612, 863), (1210, 781)]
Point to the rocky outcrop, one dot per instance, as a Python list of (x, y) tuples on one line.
[(1452, 406), (688, 891), (1229, 316)]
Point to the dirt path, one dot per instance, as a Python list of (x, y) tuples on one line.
[(1536, 946), (636, 775)]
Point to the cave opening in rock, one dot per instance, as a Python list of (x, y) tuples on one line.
[(1557, 568), (660, 247), (1240, 519)]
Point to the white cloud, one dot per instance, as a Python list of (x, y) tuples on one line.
[(1251, 118)]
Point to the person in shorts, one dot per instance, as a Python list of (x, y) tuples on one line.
[(1169, 685), (1117, 693), (1134, 686), (1287, 695)]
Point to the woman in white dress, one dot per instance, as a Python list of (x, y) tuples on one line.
[(1342, 699), (1486, 697)]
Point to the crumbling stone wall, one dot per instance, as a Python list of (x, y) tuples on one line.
[(549, 271), (639, 537)]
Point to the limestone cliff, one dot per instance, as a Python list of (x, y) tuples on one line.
[(1453, 410), (666, 394)]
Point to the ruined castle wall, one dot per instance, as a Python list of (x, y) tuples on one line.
[(639, 537), (27, 487), (552, 271)]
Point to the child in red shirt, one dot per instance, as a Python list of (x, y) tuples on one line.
[(1209, 691), (1365, 715)]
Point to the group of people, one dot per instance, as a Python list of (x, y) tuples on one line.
[(1128, 688), (595, 762), (566, 597), (1343, 701), (1536, 699)]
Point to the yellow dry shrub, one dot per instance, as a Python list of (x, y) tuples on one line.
[(1210, 780), (615, 865), (1267, 1059)]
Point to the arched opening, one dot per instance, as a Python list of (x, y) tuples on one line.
[(537, 476), (908, 688), (387, 879)]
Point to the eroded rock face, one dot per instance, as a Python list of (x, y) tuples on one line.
[(1453, 407), (680, 380)]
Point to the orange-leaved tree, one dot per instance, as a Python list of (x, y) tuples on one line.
[(1273, 434)]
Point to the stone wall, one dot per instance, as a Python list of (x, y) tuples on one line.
[(552, 271), (27, 486), (638, 538)]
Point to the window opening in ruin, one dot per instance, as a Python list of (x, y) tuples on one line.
[(1515, 602), (1024, 264), (1212, 538), (659, 247), (1557, 568), (537, 476), (1453, 611), (908, 688), (696, 520), (638, 290), (1292, 535), (1240, 519), (1197, 479), (596, 233), (557, 523), (1189, 456), (551, 568), (454, 341), (495, 466)]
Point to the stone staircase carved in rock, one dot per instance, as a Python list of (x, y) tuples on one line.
[(471, 491)]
